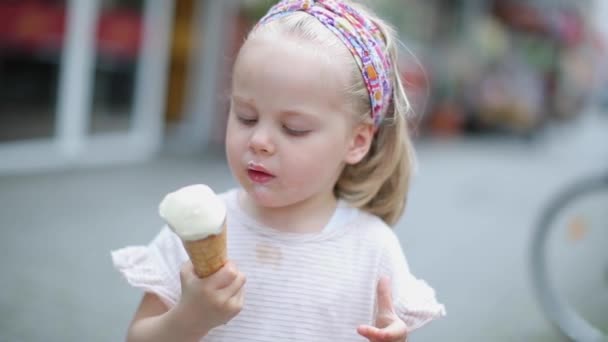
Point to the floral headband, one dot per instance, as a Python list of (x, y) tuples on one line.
[(360, 35)]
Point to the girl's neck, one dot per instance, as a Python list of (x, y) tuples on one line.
[(308, 216)]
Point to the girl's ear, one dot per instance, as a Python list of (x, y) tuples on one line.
[(360, 143)]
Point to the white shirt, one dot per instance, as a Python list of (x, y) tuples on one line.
[(300, 287), (341, 216)]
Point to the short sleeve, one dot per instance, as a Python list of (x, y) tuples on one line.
[(413, 299), (154, 268)]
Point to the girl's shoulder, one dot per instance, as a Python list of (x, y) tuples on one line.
[(373, 228)]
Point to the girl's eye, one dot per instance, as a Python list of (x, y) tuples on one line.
[(295, 132), (247, 121)]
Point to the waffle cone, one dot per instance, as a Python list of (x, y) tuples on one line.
[(209, 254)]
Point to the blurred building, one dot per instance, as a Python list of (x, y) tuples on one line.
[(100, 81)]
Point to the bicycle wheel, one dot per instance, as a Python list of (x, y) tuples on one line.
[(569, 259)]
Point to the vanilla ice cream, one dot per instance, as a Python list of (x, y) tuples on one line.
[(193, 212)]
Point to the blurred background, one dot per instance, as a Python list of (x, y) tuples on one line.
[(106, 105)]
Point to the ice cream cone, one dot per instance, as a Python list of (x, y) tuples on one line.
[(209, 254), (198, 216)]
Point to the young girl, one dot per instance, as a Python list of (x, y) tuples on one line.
[(318, 140)]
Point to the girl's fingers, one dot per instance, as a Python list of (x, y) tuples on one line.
[(368, 332), (238, 299), (186, 271), (394, 332), (234, 287), (224, 277), (385, 297)]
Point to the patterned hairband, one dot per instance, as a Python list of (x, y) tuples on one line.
[(360, 35)]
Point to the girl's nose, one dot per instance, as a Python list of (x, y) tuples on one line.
[(260, 142)]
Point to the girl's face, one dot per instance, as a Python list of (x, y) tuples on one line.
[(289, 132)]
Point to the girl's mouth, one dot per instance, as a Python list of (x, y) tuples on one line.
[(258, 174)]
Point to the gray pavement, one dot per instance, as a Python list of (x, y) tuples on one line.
[(468, 222)]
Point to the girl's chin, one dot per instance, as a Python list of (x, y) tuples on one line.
[(263, 196)]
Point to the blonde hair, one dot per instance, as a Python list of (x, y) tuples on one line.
[(378, 183)]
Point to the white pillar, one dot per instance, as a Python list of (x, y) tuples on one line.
[(76, 77), (151, 77)]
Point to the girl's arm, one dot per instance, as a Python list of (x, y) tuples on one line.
[(153, 321)]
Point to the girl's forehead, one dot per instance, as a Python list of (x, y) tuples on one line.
[(289, 71)]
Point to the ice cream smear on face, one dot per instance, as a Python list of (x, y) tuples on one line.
[(193, 212)]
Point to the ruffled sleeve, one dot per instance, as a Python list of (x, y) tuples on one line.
[(414, 300), (154, 268)]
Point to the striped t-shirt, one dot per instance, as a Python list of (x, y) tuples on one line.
[(300, 287)]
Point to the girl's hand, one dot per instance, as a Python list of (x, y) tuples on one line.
[(388, 327), (212, 301)]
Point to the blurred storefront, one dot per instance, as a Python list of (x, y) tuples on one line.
[(81, 82), (102, 81)]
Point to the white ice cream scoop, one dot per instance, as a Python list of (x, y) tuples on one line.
[(193, 212)]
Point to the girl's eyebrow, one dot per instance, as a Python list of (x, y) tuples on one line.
[(242, 101), (291, 113), (288, 113)]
